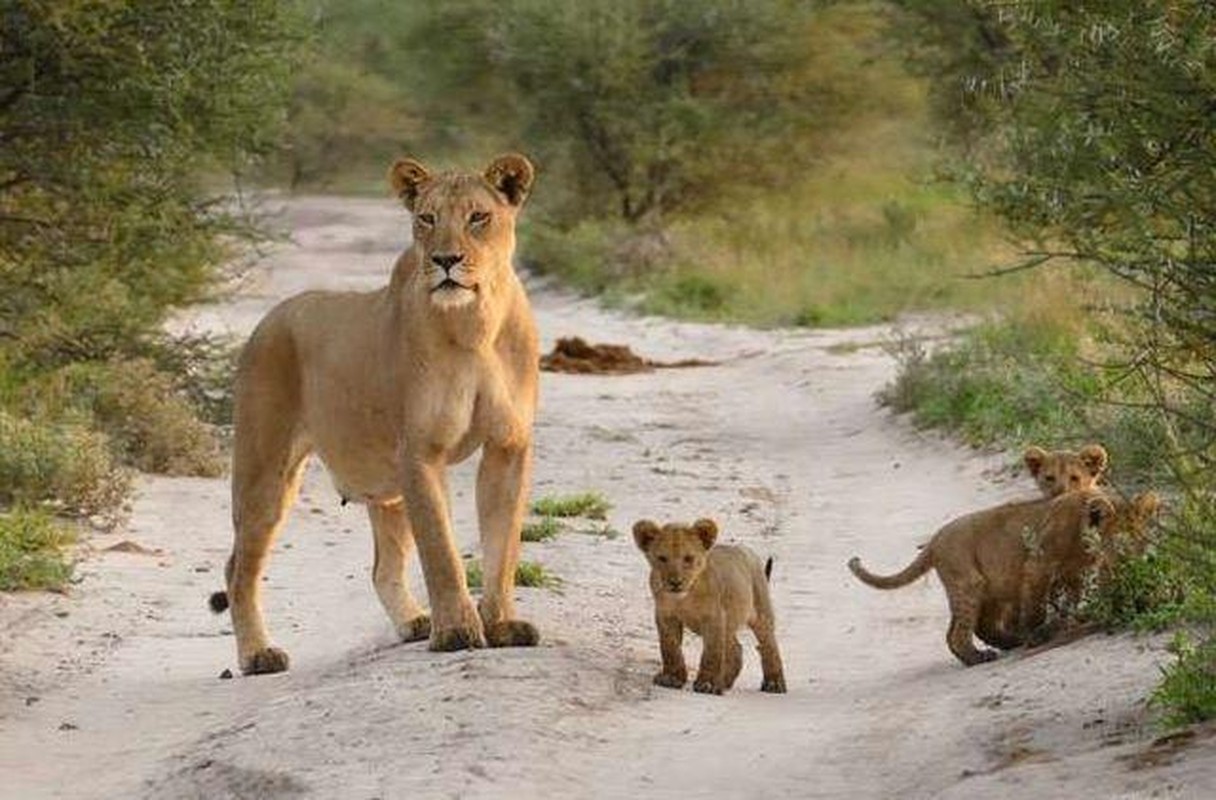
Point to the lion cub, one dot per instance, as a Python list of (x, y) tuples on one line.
[(712, 591), (1016, 556), (1065, 471)]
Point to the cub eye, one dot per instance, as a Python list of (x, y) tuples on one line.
[(1050, 479), (426, 220), (479, 218), (662, 559), (688, 560)]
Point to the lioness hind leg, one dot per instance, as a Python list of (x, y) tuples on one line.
[(394, 542), (964, 613), (734, 663), (260, 506)]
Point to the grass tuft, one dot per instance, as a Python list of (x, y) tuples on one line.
[(33, 551), (530, 574), (542, 530), (591, 505)]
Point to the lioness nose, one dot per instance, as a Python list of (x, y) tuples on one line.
[(447, 261)]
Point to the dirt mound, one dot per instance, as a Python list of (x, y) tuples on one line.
[(573, 354)]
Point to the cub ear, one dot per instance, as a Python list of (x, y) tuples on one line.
[(1034, 458), (644, 533), (1146, 504), (1094, 458), (511, 176), (707, 531), (407, 176), (1097, 510)]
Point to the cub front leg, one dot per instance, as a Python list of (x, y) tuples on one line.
[(502, 480), (711, 676), (671, 639), (455, 624)]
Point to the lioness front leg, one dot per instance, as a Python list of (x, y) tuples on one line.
[(394, 544), (502, 480), (712, 672), (455, 624), (671, 639)]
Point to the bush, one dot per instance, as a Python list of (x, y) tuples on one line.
[(32, 554), (1187, 692), (63, 465)]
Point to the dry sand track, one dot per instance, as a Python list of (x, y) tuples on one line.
[(113, 692)]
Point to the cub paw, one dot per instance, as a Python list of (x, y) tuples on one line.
[(706, 687), (416, 629), (670, 681), (774, 685), (266, 661), (512, 633)]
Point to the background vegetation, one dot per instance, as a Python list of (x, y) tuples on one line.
[(776, 162)]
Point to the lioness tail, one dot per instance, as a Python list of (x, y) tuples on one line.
[(218, 602), (919, 566), (768, 568)]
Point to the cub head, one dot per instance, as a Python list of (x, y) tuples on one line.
[(1122, 524), (676, 552), (1065, 471), (464, 224)]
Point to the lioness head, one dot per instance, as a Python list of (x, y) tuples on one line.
[(464, 224), (1065, 471), (676, 552)]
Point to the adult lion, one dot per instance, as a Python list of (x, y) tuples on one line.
[(388, 388)]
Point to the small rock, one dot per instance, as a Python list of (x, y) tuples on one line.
[(226, 675), (68, 726)]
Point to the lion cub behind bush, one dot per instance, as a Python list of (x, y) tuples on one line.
[(712, 591)]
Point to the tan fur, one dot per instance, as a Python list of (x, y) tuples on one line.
[(388, 388), (1015, 556), (712, 591), (1065, 471)]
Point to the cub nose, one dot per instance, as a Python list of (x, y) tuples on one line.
[(673, 584), (447, 261)]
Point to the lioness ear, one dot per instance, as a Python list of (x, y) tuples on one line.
[(1034, 457), (1094, 458), (707, 531), (644, 533), (511, 176), (1146, 504), (1098, 510), (406, 177)]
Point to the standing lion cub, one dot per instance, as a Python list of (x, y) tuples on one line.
[(712, 591)]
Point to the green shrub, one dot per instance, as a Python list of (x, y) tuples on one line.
[(592, 505), (32, 553), (542, 530), (62, 464), (1187, 692), (530, 574)]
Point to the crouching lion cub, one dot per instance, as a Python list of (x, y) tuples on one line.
[(1007, 561), (712, 591)]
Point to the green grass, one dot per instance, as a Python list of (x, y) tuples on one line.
[(33, 551), (530, 574), (542, 530), (1187, 692), (591, 505)]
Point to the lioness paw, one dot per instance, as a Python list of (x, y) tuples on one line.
[(451, 639), (416, 629), (774, 685), (266, 661), (669, 681), (706, 687), (512, 633)]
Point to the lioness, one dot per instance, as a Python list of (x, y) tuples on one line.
[(1065, 471), (713, 591), (388, 388), (1016, 555)]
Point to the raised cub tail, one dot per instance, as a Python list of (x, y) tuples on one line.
[(919, 566)]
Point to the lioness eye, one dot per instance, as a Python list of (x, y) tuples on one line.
[(479, 218), (426, 220)]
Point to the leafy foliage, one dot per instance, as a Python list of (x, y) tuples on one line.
[(32, 553)]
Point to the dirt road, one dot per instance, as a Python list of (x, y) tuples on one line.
[(113, 691)]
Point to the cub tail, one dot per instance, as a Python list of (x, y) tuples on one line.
[(768, 568), (919, 566)]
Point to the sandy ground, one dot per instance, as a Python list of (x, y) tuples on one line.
[(113, 690)]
